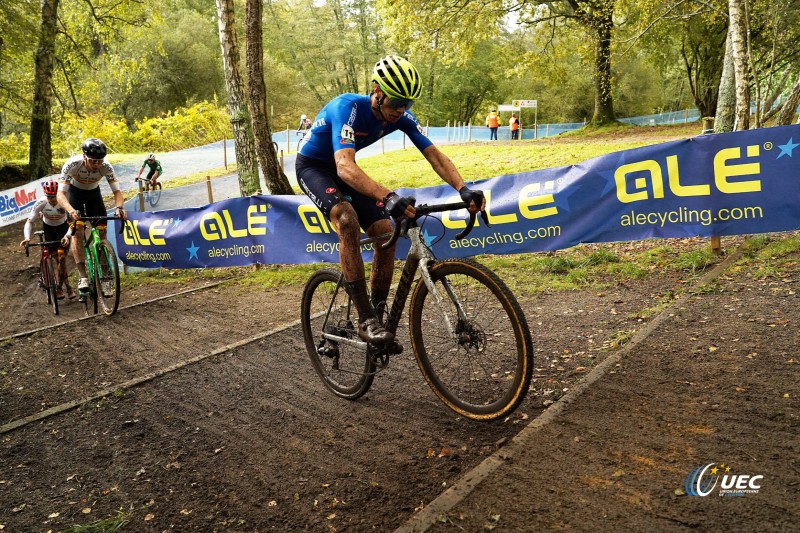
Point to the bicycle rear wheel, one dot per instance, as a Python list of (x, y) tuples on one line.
[(482, 372), (326, 308), (50, 284), (154, 195), (106, 272)]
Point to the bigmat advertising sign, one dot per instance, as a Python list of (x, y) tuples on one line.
[(716, 185)]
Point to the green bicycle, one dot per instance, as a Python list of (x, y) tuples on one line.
[(102, 270)]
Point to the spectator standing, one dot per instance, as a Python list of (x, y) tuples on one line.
[(493, 122), (513, 123)]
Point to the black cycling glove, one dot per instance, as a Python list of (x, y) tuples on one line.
[(396, 204), (468, 195)]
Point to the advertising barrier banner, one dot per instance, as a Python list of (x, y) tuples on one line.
[(16, 204), (715, 185)]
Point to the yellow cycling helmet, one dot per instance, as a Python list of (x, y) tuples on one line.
[(397, 78)]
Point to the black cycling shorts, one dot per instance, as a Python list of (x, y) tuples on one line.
[(319, 180), (151, 173), (88, 202), (54, 233)]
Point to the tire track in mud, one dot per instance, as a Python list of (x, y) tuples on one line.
[(247, 437), (83, 357)]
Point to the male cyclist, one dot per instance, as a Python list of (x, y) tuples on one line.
[(153, 174), (56, 228), (328, 173), (79, 193)]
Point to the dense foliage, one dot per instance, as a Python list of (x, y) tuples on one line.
[(119, 63)]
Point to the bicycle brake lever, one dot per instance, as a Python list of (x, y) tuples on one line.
[(485, 217), (470, 224)]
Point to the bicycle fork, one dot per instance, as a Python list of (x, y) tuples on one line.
[(426, 258)]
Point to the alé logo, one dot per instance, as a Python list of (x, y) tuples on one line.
[(705, 479)]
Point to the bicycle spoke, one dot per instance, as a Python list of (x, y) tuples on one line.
[(345, 369)]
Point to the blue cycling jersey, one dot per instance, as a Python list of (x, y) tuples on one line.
[(347, 122)]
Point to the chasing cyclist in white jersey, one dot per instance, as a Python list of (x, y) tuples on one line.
[(55, 227)]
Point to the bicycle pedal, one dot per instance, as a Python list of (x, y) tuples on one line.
[(394, 348)]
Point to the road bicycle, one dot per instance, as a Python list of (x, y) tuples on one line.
[(302, 134), (102, 268), (48, 269), (152, 192), (468, 333)]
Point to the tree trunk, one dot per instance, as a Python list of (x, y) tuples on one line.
[(726, 100), (40, 156), (602, 24), (738, 31), (237, 106), (257, 92), (789, 108)]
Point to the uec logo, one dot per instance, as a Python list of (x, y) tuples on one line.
[(703, 480)]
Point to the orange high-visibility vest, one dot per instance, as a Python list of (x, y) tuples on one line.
[(514, 123), (492, 120)]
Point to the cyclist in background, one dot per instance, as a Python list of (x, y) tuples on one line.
[(305, 124), (154, 173), (328, 173), (56, 228), (80, 186)]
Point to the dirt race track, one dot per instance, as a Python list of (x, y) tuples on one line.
[(201, 412)]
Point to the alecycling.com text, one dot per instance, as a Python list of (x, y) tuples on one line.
[(684, 215), (518, 237)]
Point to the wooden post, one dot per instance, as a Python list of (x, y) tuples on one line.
[(208, 185), (708, 128), (141, 198), (225, 152), (282, 167), (447, 131), (288, 147), (427, 127), (469, 131)]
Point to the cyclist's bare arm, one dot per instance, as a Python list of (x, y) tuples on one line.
[(61, 196), (446, 170), (353, 175)]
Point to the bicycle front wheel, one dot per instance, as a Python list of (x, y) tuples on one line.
[(106, 277), (346, 370), (50, 281), (155, 195), (481, 365)]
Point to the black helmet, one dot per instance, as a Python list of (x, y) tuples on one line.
[(94, 148)]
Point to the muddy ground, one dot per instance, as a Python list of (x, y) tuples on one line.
[(188, 427)]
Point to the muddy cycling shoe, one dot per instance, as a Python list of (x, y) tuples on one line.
[(83, 284), (70, 292), (371, 330), (60, 293)]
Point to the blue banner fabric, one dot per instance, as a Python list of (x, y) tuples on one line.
[(715, 185)]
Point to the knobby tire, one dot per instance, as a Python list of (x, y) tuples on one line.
[(349, 374), (50, 281), (106, 257), (486, 372)]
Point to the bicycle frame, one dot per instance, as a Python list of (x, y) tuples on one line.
[(98, 270), (47, 263), (419, 257)]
